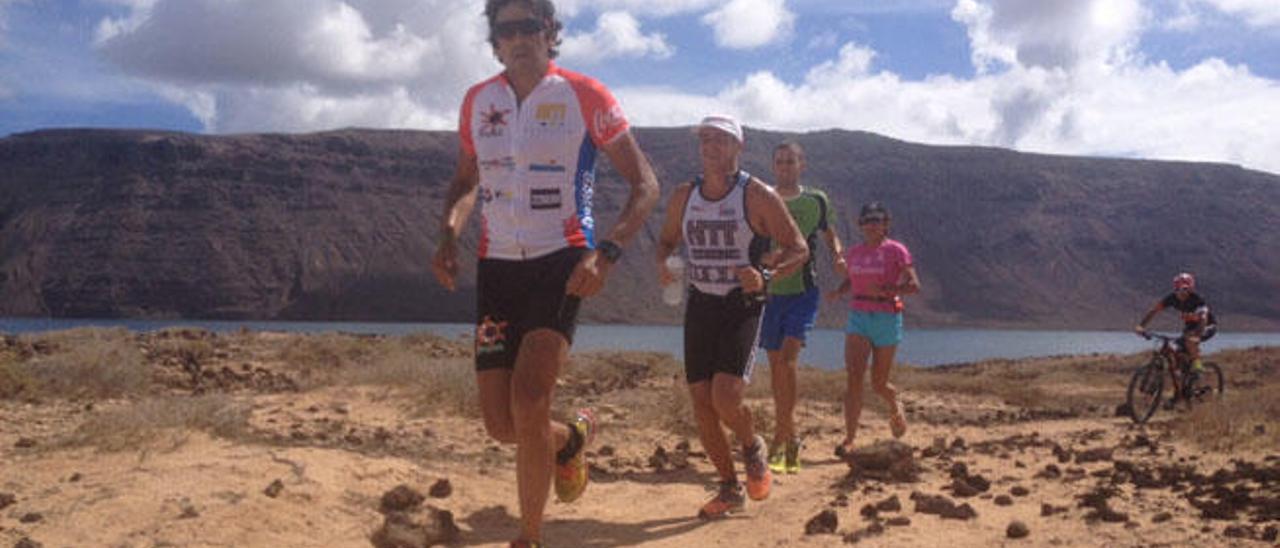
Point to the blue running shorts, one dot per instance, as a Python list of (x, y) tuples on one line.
[(881, 328), (788, 316)]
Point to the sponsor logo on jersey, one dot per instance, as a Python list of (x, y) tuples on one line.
[(493, 121), (505, 163), (551, 167), (551, 114), (544, 198), (608, 121)]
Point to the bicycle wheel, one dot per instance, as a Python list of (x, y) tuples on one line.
[(1144, 391), (1210, 385)]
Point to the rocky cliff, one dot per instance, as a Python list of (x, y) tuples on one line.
[(340, 226)]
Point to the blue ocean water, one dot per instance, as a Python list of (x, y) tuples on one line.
[(825, 347)]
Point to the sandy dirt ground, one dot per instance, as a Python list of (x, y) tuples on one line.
[(312, 468)]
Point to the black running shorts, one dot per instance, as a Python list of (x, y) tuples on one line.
[(516, 297), (720, 335)]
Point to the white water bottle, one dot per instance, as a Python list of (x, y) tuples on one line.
[(673, 292)]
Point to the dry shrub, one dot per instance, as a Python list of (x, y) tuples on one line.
[(323, 352), (187, 346), (1241, 420), (15, 380), (87, 363), (145, 422)]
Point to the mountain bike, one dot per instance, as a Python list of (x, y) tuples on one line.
[(1147, 385)]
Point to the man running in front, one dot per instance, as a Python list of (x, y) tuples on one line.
[(528, 139), (1198, 324), (792, 307), (725, 218)]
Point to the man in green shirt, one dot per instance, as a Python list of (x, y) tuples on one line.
[(792, 307)]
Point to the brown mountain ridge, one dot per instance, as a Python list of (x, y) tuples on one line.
[(340, 225)]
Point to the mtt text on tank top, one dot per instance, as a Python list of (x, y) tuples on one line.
[(717, 237)]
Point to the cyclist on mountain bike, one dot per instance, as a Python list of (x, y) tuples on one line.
[(1198, 323)]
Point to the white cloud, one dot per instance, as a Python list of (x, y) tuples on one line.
[(748, 24), (1078, 89), (1057, 76), (617, 34), (1183, 18), (1258, 13), (657, 8), (305, 64), (1052, 34)]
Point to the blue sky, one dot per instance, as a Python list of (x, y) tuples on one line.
[(1168, 79)]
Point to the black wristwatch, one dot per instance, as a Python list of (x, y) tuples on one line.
[(610, 250)]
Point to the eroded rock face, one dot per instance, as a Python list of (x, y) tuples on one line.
[(330, 226)]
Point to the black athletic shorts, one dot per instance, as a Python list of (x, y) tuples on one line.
[(720, 335), (516, 297)]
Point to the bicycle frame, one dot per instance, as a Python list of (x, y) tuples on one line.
[(1173, 359)]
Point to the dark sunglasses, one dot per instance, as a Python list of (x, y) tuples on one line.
[(524, 27), (871, 220)]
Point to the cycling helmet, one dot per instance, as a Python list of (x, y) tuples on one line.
[(1184, 281)]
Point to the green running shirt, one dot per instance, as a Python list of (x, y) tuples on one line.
[(811, 210)]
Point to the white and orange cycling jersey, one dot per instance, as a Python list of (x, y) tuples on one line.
[(537, 161)]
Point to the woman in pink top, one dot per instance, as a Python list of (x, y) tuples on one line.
[(880, 272)]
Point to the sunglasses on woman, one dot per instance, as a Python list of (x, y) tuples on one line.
[(523, 27), (871, 220)]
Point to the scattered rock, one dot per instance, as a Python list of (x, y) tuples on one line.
[(1124, 410), (1003, 500), (76, 476), (1238, 531), (958, 444), (825, 523), (898, 521), (1063, 455), (7, 500), (1047, 509), (400, 499), (274, 489), (1019, 491), (891, 504), (1050, 471), (887, 460), (26, 542), (429, 528), (869, 511), (1161, 517), (1017, 529), (1098, 454), (939, 447), (441, 489), (25, 443), (942, 506), (188, 511), (961, 488), (606, 451), (31, 517)]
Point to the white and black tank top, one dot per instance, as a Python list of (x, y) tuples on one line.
[(718, 238)]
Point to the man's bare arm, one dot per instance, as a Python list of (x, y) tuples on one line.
[(459, 202)]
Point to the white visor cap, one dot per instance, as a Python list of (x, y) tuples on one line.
[(722, 122)]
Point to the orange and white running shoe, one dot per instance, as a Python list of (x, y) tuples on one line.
[(572, 476), (759, 477), (728, 500)]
